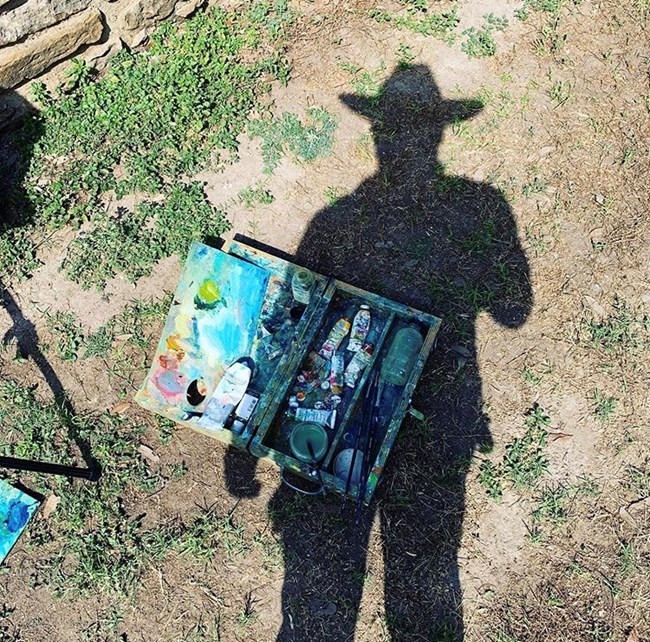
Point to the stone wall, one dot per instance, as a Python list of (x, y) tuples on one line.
[(36, 35)]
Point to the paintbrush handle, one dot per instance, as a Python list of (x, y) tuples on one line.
[(49, 469)]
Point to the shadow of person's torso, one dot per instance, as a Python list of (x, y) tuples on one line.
[(415, 233)]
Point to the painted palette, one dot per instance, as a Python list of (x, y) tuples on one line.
[(16, 509), (211, 324)]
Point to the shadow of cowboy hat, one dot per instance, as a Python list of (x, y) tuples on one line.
[(412, 86)]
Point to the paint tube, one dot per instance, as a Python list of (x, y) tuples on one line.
[(336, 335), (227, 395), (323, 417), (360, 329), (244, 412), (336, 374), (360, 360), (315, 370)]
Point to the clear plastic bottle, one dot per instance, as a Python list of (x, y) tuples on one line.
[(401, 356)]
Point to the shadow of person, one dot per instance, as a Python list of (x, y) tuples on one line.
[(19, 133), (448, 245)]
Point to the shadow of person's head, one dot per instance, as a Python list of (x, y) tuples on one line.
[(416, 231), (409, 104)]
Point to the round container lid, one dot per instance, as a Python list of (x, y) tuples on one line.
[(308, 432), (342, 465)]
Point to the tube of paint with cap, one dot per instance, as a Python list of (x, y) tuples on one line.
[(336, 373), (360, 360), (323, 417), (360, 329), (227, 395), (336, 335), (244, 411)]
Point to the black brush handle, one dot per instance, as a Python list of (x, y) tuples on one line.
[(49, 469)]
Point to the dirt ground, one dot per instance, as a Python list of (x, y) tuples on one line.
[(556, 160)]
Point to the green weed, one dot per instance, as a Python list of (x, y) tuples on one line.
[(288, 135), (627, 554), (333, 195), (405, 57), (206, 534), (67, 334), (252, 196), (624, 331), (603, 405), (248, 615), (367, 84), (560, 92), (482, 241), (550, 40), (524, 461), (480, 43), (548, 6), (104, 549), (552, 505), (421, 19), (130, 243)]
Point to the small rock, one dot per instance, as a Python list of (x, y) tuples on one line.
[(50, 505), (186, 9), (144, 13), (596, 308)]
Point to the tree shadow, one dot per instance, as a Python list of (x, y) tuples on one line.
[(19, 133), (420, 235)]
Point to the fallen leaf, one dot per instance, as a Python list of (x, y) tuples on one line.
[(559, 435), (50, 505), (626, 517), (120, 408), (148, 454), (462, 350)]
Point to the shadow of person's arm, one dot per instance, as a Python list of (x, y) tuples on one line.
[(239, 470), (513, 302)]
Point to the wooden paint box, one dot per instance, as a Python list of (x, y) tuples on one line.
[(299, 333)]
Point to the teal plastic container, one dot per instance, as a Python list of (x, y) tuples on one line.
[(398, 363), (305, 432)]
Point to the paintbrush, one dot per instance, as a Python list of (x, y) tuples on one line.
[(370, 406), (312, 454)]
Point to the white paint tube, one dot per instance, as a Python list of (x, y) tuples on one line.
[(226, 396)]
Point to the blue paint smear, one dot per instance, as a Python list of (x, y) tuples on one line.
[(18, 516), (16, 509)]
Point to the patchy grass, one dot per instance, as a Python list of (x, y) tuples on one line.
[(420, 18), (152, 118), (106, 551), (252, 196), (287, 135), (603, 406), (131, 243), (524, 461), (66, 332), (625, 331), (480, 43)]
